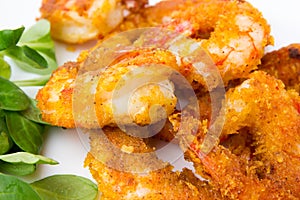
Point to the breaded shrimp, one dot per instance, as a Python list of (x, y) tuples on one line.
[(233, 33), (284, 64), (274, 121), (161, 183), (132, 86), (110, 107), (270, 167), (77, 21)]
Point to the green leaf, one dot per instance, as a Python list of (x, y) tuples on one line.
[(32, 51), (49, 55), (9, 38), (40, 81), (27, 158), (36, 32), (17, 169), (18, 56), (33, 113), (34, 56), (38, 38), (12, 97), (26, 134), (5, 140), (12, 188), (35, 50), (2, 113), (22, 61), (5, 70), (65, 187)]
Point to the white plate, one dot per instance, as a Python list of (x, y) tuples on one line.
[(65, 145)]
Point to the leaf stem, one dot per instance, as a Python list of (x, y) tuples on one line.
[(41, 81)]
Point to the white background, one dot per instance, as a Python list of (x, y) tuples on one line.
[(65, 145)]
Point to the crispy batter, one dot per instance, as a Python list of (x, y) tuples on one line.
[(284, 64), (162, 183), (55, 99), (149, 16), (274, 122), (135, 5), (269, 166), (233, 33)]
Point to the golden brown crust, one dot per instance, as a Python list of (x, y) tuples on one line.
[(268, 164), (162, 183), (284, 64), (233, 33), (55, 99)]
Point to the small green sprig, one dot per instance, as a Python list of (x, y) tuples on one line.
[(31, 50), (21, 131), (21, 124)]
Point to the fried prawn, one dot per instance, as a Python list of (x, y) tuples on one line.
[(115, 182), (80, 21), (267, 164), (233, 33)]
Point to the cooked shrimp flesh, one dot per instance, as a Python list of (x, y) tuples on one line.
[(77, 21)]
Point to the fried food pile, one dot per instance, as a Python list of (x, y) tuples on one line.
[(199, 79)]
